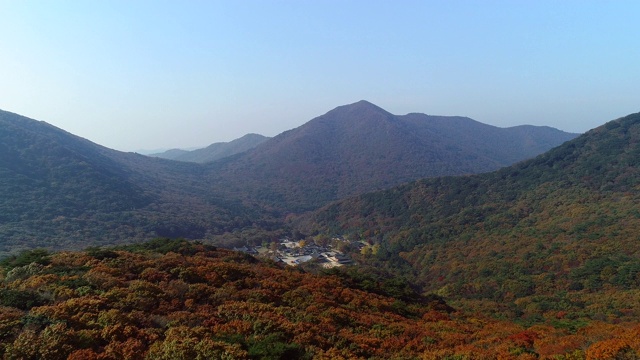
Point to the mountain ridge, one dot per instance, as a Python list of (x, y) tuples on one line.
[(215, 151), (64, 189), (60, 191)]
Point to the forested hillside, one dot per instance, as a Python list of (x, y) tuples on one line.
[(63, 192), (553, 239), (170, 299)]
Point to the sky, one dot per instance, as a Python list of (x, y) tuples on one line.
[(139, 74)]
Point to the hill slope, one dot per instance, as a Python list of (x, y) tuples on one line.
[(176, 300), (62, 191), (360, 147), (556, 233), (40, 161), (215, 151)]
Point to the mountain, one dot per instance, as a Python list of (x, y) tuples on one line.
[(48, 173), (215, 151), (360, 147), (171, 299), (170, 154), (548, 238), (61, 191), (539, 259)]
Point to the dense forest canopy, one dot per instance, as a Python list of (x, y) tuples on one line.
[(172, 299)]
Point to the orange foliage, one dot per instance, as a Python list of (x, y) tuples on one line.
[(613, 349), (216, 304)]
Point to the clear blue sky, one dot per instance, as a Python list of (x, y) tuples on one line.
[(158, 74)]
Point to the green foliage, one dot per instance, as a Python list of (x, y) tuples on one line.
[(275, 347), (26, 257), (164, 245), (23, 300), (101, 253), (379, 282), (595, 272), (36, 321)]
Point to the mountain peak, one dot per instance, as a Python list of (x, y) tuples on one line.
[(358, 114), (362, 105)]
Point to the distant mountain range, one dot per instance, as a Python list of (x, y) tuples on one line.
[(62, 191), (214, 151), (360, 147)]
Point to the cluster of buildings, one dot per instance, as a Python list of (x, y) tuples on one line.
[(298, 252)]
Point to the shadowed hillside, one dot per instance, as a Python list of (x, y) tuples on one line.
[(62, 191)]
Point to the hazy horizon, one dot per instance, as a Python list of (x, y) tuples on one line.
[(162, 75)]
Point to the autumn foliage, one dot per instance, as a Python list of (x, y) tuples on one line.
[(178, 300)]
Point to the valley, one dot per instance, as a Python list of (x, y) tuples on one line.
[(319, 180), (325, 252), (412, 236), (64, 192)]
